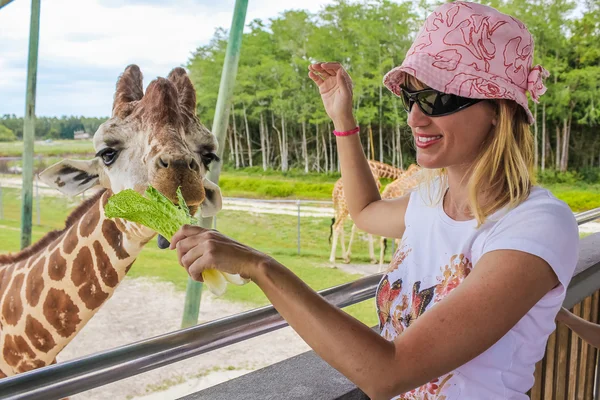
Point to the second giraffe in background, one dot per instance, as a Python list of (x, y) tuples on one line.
[(341, 213)]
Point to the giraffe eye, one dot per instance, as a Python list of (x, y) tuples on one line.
[(207, 158), (108, 155)]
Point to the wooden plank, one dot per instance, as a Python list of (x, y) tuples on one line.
[(562, 346), (536, 391), (586, 313), (573, 359), (593, 352), (549, 379)]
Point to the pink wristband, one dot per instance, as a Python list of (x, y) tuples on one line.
[(347, 133)]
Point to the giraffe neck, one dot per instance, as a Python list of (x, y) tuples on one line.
[(47, 298), (382, 170)]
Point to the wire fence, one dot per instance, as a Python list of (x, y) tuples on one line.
[(291, 207)]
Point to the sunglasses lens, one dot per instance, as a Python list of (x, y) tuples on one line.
[(428, 102), (447, 103), (433, 103), (405, 100)]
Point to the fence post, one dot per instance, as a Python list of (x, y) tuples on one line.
[(298, 204)]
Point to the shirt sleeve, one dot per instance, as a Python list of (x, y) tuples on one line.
[(547, 229)]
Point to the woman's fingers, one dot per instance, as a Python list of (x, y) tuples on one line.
[(196, 268), (316, 78), (325, 69), (183, 232), (188, 258), (185, 244), (331, 65)]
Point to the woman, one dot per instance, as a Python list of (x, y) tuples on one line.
[(470, 297)]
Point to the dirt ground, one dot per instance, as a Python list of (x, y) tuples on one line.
[(142, 308)]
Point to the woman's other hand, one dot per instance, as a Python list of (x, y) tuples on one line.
[(335, 87)]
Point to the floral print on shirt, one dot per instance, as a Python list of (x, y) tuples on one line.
[(399, 304)]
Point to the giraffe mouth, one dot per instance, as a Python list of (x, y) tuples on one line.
[(162, 242)]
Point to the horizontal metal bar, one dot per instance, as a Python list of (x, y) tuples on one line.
[(71, 377), (65, 379), (587, 216)]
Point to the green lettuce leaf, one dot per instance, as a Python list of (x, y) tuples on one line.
[(154, 211)]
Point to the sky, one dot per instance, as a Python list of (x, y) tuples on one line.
[(85, 44)]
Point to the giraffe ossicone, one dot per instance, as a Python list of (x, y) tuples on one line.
[(51, 289)]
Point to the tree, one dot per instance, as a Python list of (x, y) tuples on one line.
[(7, 135)]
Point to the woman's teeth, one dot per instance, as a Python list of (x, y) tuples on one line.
[(423, 139)]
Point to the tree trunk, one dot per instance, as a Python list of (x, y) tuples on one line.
[(267, 144), (399, 146), (263, 144), (284, 146), (558, 144), (566, 153), (543, 137), (325, 153), (278, 135), (317, 148), (398, 138), (535, 140), (564, 145), (235, 139), (230, 141), (394, 150), (304, 147), (248, 137)]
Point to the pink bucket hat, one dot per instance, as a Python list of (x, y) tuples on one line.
[(474, 51)]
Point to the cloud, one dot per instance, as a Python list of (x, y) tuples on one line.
[(85, 45)]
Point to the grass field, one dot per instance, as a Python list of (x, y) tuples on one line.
[(56, 147), (255, 230)]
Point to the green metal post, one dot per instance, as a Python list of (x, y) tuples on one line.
[(219, 129), (29, 126)]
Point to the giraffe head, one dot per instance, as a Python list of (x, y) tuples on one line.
[(151, 139)]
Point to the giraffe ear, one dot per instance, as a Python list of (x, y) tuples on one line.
[(72, 177), (130, 89), (213, 202)]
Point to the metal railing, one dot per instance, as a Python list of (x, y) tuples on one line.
[(71, 377)]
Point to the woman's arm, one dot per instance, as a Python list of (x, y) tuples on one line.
[(588, 331), (366, 208), (500, 290)]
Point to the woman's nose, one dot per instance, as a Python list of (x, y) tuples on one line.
[(416, 117)]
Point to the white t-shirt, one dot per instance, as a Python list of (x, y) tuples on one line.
[(437, 253)]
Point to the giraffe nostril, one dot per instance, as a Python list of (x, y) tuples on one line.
[(162, 163), (194, 166)]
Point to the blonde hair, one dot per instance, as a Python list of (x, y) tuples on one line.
[(504, 167)]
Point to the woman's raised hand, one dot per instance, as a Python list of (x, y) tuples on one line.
[(335, 87)]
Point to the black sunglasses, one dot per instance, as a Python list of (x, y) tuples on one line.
[(434, 103)]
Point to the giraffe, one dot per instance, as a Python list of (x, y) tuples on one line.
[(341, 213), (51, 289), (398, 188)]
